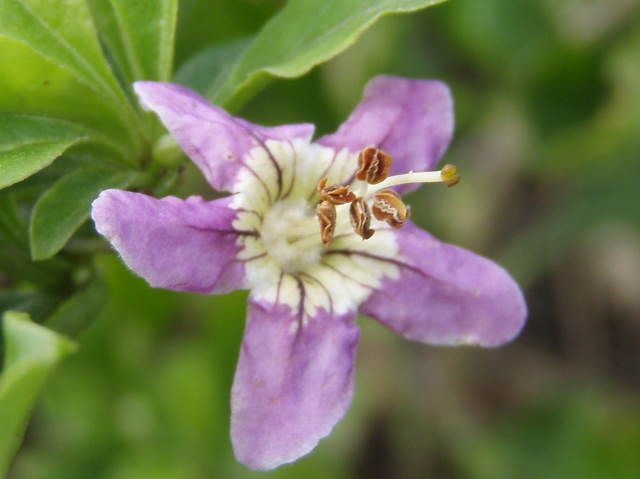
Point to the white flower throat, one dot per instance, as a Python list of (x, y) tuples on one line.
[(277, 196), (290, 235)]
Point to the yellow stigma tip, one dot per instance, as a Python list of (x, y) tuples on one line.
[(449, 174)]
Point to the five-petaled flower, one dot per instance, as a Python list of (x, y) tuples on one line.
[(293, 231)]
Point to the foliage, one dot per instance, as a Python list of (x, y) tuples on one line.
[(66, 97)]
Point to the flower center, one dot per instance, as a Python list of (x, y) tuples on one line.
[(286, 261), (289, 234), (386, 204)]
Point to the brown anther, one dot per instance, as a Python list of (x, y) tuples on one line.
[(361, 218), (336, 194), (326, 213), (374, 165), (387, 206), (449, 174)]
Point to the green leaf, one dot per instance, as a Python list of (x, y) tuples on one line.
[(207, 70), (203, 22), (77, 312), (65, 206), (57, 67), (304, 34), (32, 352), (28, 144), (140, 35), (38, 304), (11, 227)]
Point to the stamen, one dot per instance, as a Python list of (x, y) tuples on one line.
[(374, 165), (361, 218), (326, 213), (336, 194), (387, 206), (448, 175)]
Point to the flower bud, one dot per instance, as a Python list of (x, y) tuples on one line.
[(167, 153)]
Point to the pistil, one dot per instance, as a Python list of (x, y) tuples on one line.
[(447, 175)]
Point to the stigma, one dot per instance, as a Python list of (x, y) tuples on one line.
[(371, 193)]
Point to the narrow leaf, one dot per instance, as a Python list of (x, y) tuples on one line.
[(28, 144), (12, 228), (65, 206), (31, 353), (77, 312), (140, 35), (304, 34)]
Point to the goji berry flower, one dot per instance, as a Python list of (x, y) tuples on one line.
[(319, 233)]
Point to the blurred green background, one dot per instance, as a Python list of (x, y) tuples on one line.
[(548, 143)]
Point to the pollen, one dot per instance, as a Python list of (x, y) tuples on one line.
[(361, 218), (326, 213), (335, 194), (371, 194), (374, 165), (387, 206)]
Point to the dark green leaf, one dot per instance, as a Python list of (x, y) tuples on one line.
[(208, 69), (11, 227), (76, 313), (65, 206), (38, 305), (203, 22), (16, 264), (31, 352), (28, 144)]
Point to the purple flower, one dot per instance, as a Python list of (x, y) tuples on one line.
[(294, 379)]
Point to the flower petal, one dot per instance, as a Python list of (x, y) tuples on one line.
[(410, 119), (447, 295), (184, 245), (292, 385), (216, 141)]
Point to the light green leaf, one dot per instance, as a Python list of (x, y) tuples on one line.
[(57, 67), (31, 353), (65, 206), (304, 34), (77, 312), (28, 144), (140, 35)]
